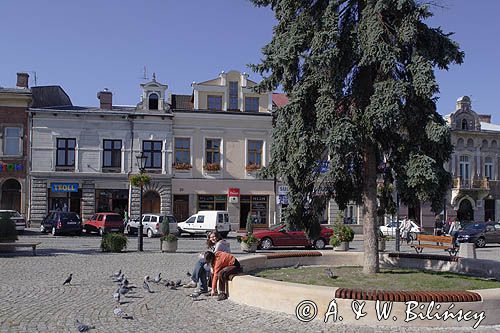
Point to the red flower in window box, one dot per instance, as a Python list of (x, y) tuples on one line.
[(182, 166), (253, 167), (212, 167)]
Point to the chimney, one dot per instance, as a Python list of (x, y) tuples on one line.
[(485, 118), (106, 99), (22, 80)]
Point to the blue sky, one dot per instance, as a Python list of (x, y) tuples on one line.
[(86, 46)]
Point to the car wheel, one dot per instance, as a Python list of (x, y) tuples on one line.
[(54, 231), (101, 232), (86, 230), (266, 243), (319, 243), (150, 233), (480, 242)]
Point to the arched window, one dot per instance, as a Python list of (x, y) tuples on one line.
[(153, 101), (488, 168), (465, 127)]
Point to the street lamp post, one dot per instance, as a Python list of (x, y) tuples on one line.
[(141, 163)]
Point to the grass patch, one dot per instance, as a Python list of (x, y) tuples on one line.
[(387, 279)]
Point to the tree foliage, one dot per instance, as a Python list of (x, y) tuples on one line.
[(360, 79)]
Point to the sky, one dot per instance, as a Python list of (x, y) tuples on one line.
[(86, 46)]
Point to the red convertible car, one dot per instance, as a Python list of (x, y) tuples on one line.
[(278, 235)]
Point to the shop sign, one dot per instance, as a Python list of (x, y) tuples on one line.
[(234, 192), (64, 187), (282, 190), (9, 167), (282, 199)]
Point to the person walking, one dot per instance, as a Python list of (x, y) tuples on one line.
[(405, 230)]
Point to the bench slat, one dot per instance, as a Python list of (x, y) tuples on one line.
[(431, 246), (432, 238)]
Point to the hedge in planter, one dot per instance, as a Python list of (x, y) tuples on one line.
[(8, 230), (113, 242)]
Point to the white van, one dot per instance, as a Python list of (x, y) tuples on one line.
[(205, 221)]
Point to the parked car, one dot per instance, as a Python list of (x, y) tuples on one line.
[(61, 222), (206, 221), (15, 217), (278, 235), (390, 229), (151, 224), (103, 223), (480, 233)]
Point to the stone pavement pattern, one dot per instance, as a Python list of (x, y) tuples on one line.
[(34, 300)]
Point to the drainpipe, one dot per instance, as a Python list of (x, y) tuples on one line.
[(131, 122)]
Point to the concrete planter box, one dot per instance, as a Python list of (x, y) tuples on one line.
[(8, 249), (169, 246), (381, 245), (248, 248), (344, 246)]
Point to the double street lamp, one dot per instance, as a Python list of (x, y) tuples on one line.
[(141, 163)]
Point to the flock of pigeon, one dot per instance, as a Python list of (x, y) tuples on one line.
[(125, 289)]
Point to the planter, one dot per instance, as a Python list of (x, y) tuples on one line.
[(381, 245), (248, 248), (8, 249), (344, 246), (168, 246)]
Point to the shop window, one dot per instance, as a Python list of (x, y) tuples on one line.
[(152, 150), (214, 102), (257, 205), (212, 202), (66, 152), (12, 141), (112, 154)]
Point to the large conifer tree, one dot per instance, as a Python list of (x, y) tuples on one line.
[(361, 84)]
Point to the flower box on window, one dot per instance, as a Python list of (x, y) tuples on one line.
[(213, 167), (253, 167), (182, 166)]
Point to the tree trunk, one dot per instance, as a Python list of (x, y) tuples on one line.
[(370, 240)]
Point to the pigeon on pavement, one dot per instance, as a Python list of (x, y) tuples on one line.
[(68, 279), (146, 278), (178, 283), (329, 273), (120, 313), (117, 274), (123, 290), (116, 295), (158, 278), (83, 327), (146, 287)]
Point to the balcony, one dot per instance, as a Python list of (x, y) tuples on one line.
[(471, 184)]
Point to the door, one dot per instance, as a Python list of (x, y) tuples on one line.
[(151, 203), (181, 207), (11, 195), (465, 211)]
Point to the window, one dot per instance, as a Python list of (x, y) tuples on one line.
[(464, 169), (112, 154), (257, 205), (214, 102), (153, 102), (152, 150), (12, 140), (254, 153), (66, 152), (212, 202), (233, 95), (252, 104), (182, 155), (200, 219), (465, 127), (488, 168), (212, 151)]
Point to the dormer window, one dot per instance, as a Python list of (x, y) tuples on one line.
[(465, 126), (233, 95), (153, 101), (214, 102)]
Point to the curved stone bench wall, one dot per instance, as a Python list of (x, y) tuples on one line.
[(285, 296)]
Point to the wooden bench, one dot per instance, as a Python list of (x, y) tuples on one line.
[(13, 245), (440, 242)]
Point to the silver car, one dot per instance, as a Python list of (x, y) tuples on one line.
[(15, 217), (151, 224)]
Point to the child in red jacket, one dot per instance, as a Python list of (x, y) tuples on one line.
[(224, 265)]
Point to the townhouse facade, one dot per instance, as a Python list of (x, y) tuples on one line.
[(82, 157), (14, 159), (222, 138)]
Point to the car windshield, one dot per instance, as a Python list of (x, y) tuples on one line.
[(276, 227), (65, 217), (113, 218), (475, 226), (10, 214)]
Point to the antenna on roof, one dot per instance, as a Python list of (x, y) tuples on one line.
[(33, 78)]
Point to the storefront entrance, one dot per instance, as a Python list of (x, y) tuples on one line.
[(489, 210), (65, 201), (465, 211), (115, 201), (11, 195), (181, 207)]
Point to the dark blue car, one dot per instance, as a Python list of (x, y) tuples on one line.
[(61, 223), (480, 233)]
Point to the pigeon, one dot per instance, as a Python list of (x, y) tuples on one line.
[(188, 274), (82, 327), (297, 265), (120, 279), (125, 283), (146, 287), (123, 290), (329, 273), (146, 278), (68, 279), (117, 274), (120, 313), (178, 283), (158, 278), (116, 295), (194, 295)]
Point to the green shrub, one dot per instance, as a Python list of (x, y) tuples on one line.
[(168, 238), (249, 239), (113, 242), (137, 180), (334, 241), (344, 233), (8, 230), (165, 225)]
